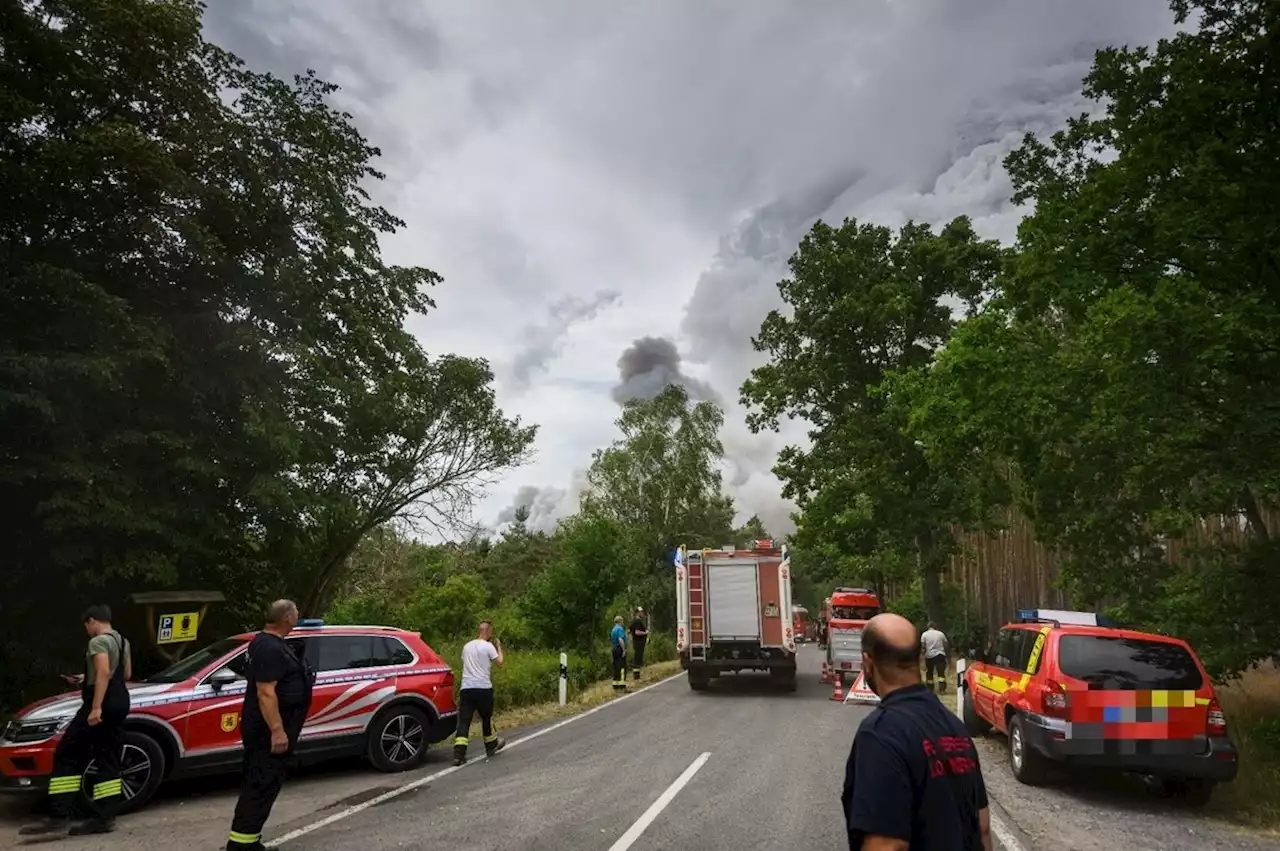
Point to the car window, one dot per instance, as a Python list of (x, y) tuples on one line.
[(196, 662), (340, 652), (395, 650), (1007, 648), (1115, 663)]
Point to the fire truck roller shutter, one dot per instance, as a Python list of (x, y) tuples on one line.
[(733, 596)]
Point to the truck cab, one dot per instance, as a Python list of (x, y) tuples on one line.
[(846, 613), (734, 613)]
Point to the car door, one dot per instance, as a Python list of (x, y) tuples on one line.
[(1008, 667), (355, 675), (985, 681), (212, 735)]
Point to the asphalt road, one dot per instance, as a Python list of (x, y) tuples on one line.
[(665, 768)]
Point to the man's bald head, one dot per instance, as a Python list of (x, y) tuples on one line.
[(894, 647), (283, 613)]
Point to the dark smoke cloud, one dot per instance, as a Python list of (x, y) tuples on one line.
[(648, 366)]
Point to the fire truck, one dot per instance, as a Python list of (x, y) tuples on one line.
[(800, 623), (733, 613), (846, 613)]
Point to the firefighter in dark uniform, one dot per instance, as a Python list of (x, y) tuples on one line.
[(276, 701), (94, 734), (639, 636)]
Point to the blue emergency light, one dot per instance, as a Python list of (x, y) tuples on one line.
[(311, 622)]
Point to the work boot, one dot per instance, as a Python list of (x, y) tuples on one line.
[(255, 846), (93, 825), (48, 827), (459, 750), (491, 748)]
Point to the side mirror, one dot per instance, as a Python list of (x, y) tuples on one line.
[(222, 678)]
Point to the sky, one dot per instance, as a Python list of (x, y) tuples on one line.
[(611, 190)]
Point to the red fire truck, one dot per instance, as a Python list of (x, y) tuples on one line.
[(733, 613), (846, 613)]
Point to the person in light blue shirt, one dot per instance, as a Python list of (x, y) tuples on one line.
[(618, 643)]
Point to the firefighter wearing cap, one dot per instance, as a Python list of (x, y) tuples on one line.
[(639, 635)]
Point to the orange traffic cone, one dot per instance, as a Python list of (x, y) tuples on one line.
[(826, 674), (838, 692)]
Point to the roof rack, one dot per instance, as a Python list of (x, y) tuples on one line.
[(1060, 617)]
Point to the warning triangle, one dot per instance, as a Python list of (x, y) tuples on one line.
[(859, 693)]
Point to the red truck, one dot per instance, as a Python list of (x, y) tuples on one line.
[(846, 613), (733, 613)]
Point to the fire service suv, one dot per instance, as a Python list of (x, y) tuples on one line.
[(733, 613), (846, 613), (380, 692), (1069, 689)]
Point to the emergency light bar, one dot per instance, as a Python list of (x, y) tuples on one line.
[(1062, 616), (310, 622)]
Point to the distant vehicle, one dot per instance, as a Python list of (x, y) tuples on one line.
[(380, 692), (1068, 688), (801, 625), (846, 613), (733, 613)]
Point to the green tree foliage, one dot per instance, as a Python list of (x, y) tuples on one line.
[(1129, 371), (867, 304), (205, 378)]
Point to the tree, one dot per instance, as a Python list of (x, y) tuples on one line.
[(205, 378), (867, 305), (1130, 370), (567, 602), (662, 477)]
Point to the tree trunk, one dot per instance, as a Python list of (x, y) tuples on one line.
[(930, 564)]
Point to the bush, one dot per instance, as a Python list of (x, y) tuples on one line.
[(1252, 706), (961, 623)]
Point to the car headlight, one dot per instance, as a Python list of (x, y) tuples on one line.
[(25, 732)]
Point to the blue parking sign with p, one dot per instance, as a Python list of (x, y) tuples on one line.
[(166, 629)]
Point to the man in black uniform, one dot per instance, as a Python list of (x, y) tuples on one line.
[(276, 702), (639, 635), (93, 734), (912, 782)]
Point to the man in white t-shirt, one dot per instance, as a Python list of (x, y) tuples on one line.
[(933, 643), (476, 695)]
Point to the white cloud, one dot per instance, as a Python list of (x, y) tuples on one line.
[(672, 153)]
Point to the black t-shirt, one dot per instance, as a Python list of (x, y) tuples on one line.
[(637, 625), (913, 774), (272, 660)]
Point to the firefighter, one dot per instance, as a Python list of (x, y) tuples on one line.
[(618, 641), (95, 733), (639, 636), (276, 701), (476, 695), (933, 643)]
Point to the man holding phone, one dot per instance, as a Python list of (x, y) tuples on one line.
[(94, 734), (476, 695)]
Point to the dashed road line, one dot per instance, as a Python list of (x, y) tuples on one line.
[(423, 781), (633, 833)]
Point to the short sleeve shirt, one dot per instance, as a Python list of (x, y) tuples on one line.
[(618, 636), (477, 659), (273, 660), (913, 774), (110, 643)]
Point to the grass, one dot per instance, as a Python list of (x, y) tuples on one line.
[(1252, 707), (593, 695)]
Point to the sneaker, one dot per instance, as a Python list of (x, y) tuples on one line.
[(44, 828), (93, 825)]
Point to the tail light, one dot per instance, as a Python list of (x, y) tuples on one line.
[(1053, 699), (1217, 723)]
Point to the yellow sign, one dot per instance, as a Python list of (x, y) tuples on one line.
[(179, 628), (229, 721)]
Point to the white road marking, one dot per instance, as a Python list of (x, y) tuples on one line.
[(422, 781), (1003, 834), (628, 839)]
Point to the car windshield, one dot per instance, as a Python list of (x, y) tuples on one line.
[(193, 664), (1128, 664)]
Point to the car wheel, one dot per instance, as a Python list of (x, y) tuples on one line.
[(973, 722), (698, 680), (1029, 766), (398, 738), (142, 768)]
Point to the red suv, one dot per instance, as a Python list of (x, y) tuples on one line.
[(380, 692), (1066, 688)]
